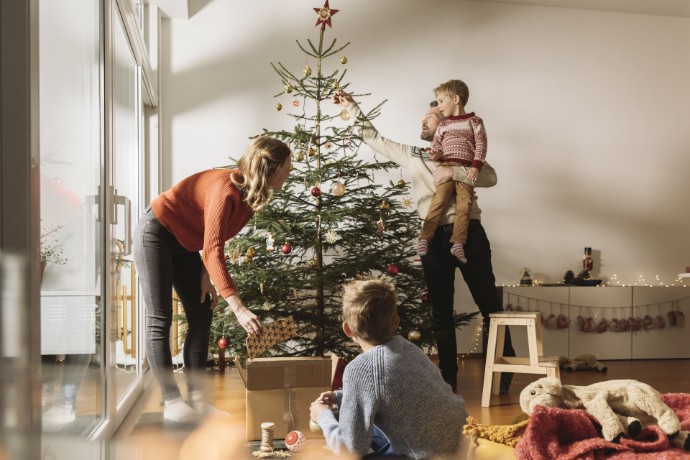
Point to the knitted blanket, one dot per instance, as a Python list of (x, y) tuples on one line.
[(574, 434)]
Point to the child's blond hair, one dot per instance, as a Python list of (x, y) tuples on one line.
[(454, 88), (369, 308)]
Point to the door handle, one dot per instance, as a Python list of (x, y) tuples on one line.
[(124, 201)]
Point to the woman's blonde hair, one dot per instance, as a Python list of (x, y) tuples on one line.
[(259, 163), (370, 309)]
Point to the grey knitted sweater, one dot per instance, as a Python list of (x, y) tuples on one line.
[(396, 387)]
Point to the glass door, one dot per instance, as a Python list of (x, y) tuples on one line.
[(71, 157), (91, 117), (126, 179)]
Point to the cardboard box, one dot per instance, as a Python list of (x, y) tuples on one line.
[(280, 390), (288, 408), (297, 372)]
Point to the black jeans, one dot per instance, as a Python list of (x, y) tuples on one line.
[(163, 264), (439, 270)]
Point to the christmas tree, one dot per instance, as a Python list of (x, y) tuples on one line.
[(332, 223)]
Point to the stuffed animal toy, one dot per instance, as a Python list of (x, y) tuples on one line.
[(583, 363), (620, 406)]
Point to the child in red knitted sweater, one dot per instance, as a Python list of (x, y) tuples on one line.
[(460, 140)]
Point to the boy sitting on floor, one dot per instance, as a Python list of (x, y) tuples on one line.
[(394, 400)]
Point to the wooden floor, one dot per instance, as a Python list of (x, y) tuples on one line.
[(143, 435)]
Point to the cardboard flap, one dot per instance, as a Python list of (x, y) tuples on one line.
[(241, 370), (295, 372)]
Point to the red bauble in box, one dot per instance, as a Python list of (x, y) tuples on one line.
[(223, 343), (315, 191), (286, 248), (392, 269)]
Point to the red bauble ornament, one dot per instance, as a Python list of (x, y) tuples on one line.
[(425, 298), (392, 269), (295, 441), (223, 343), (286, 248), (315, 191)]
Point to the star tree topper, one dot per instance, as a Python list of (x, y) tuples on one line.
[(325, 13)]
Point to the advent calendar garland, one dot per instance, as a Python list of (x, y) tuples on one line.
[(658, 315)]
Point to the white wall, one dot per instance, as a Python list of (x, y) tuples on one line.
[(586, 112)]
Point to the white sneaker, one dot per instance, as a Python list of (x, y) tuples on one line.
[(179, 411), (58, 416), (205, 409)]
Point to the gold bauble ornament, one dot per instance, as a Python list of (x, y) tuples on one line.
[(343, 60), (338, 189), (344, 114), (307, 71), (335, 84), (299, 155), (288, 89), (414, 335), (402, 183), (279, 106), (312, 263), (384, 205), (251, 252)]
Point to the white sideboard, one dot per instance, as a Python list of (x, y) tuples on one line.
[(607, 303), (68, 322)]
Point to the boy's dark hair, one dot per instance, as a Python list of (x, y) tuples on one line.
[(454, 88), (369, 308)]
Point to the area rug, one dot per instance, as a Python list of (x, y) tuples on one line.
[(569, 434)]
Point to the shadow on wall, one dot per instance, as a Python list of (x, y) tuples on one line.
[(197, 5)]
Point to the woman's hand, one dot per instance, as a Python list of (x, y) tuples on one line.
[(340, 97), (248, 320), (207, 289)]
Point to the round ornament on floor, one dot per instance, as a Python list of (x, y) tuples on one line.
[(295, 441)]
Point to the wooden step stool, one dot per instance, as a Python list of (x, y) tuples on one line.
[(496, 363)]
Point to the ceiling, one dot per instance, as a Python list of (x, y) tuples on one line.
[(184, 9), (679, 8)]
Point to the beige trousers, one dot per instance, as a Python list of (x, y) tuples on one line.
[(463, 201)]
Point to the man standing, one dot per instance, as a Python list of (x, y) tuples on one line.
[(439, 264)]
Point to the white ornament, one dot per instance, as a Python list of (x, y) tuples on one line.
[(331, 236)]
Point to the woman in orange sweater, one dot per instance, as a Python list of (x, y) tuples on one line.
[(200, 213)]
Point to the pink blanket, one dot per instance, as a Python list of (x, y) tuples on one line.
[(565, 434)]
